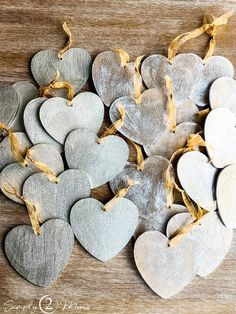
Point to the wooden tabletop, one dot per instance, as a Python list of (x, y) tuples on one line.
[(139, 27)]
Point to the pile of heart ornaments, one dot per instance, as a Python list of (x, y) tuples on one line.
[(51, 157)]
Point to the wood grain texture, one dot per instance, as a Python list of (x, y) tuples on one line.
[(139, 27)]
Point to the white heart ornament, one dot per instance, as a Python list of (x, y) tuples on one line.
[(220, 136), (56, 199), (197, 177), (225, 195), (214, 237), (103, 234), (40, 259), (167, 270), (59, 119), (33, 125), (9, 104), (74, 67), (15, 174), (100, 161)]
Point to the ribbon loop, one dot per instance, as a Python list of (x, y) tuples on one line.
[(69, 41)]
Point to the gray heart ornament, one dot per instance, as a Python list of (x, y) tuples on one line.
[(103, 233), (59, 119), (40, 259), (56, 199), (34, 127), (9, 104), (15, 174), (74, 67), (100, 161)]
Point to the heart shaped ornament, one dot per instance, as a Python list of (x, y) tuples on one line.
[(59, 119), (168, 142), (213, 236), (114, 76), (6, 156), (185, 72), (220, 136), (225, 195), (100, 161), (9, 104), (214, 68), (197, 177), (40, 259), (34, 127), (167, 270), (74, 67), (26, 91), (56, 199), (103, 233), (149, 194), (221, 90), (158, 219), (15, 174)]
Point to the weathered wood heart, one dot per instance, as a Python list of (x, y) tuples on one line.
[(213, 236), (40, 259), (34, 127), (114, 76), (56, 199), (223, 94), (185, 72), (167, 270), (149, 194), (102, 159), (215, 67), (9, 104), (220, 136), (225, 195), (6, 155), (103, 233), (26, 91), (15, 174), (74, 67), (168, 142), (59, 119), (197, 177)]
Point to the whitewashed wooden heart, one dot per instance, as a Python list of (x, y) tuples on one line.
[(26, 91), (15, 174), (59, 119), (197, 177), (185, 72), (74, 67), (56, 199), (223, 94), (34, 127), (158, 219), (225, 195), (215, 67), (213, 236), (103, 234), (167, 270), (6, 156), (112, 79), (220, 136), (168, 142), (9, 104), (40, 259), (149, 194), (101, 161)]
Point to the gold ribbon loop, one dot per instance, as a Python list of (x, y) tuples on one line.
[(183, 38), (138, 80), (15, 145), (42, 167), (115, 126), (139, 154), (171, 110), (69, 41), (120, 194), (124, 56), (33, 210)]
